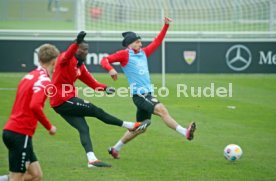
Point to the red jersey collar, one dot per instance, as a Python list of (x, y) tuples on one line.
[(44, 70)]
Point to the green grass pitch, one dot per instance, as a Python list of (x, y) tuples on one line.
[(161, 153)]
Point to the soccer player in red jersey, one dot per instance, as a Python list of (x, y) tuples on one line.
[(134, 64), (26, 112), (70, 67)]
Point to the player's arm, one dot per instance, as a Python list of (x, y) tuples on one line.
[(120, 56), (89, 80), (158, 40), (37, 105), (70, 52)]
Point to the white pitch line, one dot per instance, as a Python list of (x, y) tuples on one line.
[(7, 89)]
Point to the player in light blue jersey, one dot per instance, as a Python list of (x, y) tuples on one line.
[(134, 63)]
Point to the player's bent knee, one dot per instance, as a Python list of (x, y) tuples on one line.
[(160, 110), (35, 171), (37, 176)]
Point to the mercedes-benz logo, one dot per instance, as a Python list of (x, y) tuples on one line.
[(238, 57)]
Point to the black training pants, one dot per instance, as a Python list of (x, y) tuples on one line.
[(75, 109)]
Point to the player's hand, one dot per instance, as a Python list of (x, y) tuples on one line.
[(167, 20), (110, 90), (53, 130), (80, 37), (113, 73)]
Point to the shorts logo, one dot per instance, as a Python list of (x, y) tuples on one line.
[(154, 100)]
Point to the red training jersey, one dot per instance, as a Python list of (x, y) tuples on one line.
[(29, 102), (65, 75)]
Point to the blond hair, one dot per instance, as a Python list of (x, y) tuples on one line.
[(47, 53)]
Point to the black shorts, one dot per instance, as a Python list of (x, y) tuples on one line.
[(145, 104), (77, 107), (20, 150)]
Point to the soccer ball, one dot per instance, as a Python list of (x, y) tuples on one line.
[(232, 152)]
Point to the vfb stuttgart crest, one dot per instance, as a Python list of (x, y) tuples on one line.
[(189, 56)]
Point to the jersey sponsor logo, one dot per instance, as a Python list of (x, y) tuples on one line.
[(142, 67)]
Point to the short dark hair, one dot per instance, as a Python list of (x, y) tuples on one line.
[(47, 53)]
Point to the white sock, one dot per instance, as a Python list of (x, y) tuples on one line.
[(118, 145), (128, 125), (91, 156), (4, 178), (181, 130)]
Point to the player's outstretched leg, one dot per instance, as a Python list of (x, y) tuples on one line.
[(80, 108), (188, 132), (109, 119)]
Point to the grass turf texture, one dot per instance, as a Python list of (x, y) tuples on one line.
[(161, 153)]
